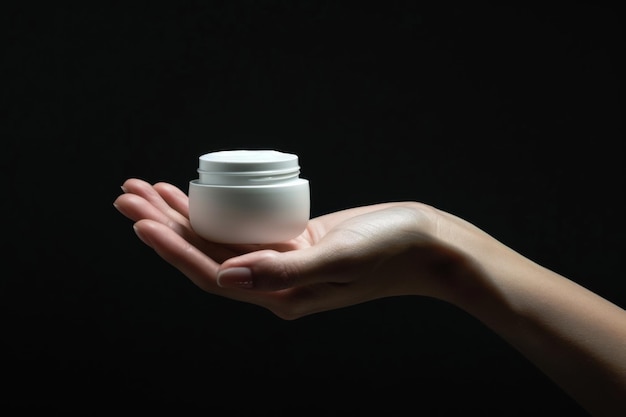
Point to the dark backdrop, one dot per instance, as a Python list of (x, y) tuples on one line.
[(506, 116)]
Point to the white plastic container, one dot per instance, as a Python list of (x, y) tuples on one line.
[(249, 197)]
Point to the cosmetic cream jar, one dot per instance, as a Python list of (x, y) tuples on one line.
[(249, 197)]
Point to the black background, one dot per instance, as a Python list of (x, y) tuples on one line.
[(506, 116)]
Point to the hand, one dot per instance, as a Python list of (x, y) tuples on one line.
[(352, 256), (342, 258)]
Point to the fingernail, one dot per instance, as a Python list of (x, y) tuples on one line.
[(143, 238), (123, 189), (235, 278)]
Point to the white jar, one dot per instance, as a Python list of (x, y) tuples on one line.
[(249, 197)]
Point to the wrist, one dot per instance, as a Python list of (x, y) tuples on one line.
[(456, 262)]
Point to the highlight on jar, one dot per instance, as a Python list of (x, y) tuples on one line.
[(249, 197)]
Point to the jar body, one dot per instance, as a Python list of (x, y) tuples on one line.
[(257, 214)]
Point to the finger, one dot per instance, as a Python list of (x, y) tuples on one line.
[(289, 284), (135, 207), (149, 204), (174, 197), (173, 248), (269, 270), (147, 191), (174, 204), (194, 264)]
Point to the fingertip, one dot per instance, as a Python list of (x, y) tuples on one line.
[(263, 270), (165, 189), (134, 185), (119, 203), (141, 233), (237, 277), (125, 184), (164, 185)]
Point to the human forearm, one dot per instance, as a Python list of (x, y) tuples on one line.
[(573, 335)]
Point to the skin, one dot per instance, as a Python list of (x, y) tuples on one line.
[(406, 248)]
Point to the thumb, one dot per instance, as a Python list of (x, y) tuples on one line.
[(269, 270)]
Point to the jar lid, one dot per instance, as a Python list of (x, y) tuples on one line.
[(247, 161), (247, 166)]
